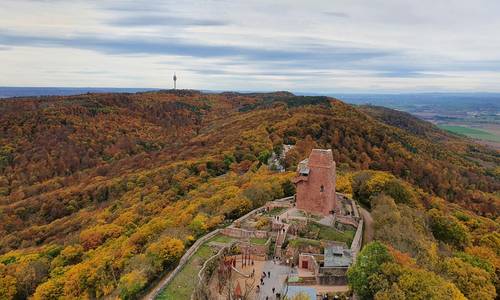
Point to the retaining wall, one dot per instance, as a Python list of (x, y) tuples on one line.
[(357, 241)]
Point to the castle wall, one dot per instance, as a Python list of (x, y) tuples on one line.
[(243, 233)]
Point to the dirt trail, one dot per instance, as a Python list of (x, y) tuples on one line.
[(368, 223)]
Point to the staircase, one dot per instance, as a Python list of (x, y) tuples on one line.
[(280, 239)]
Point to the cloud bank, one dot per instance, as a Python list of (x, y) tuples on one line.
[(313, 46)]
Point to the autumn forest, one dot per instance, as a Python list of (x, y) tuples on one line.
[(101, 194)]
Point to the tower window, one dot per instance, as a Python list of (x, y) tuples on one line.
[(322, 188)]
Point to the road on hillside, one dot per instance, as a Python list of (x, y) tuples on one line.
[(368, 223)]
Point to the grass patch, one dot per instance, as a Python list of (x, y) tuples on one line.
[(472, 132), (300, 213), (294, 279), (258, 241), (331, 234), (301, 243), (275, 211), (183, 284), (221, 239), (317, 231)]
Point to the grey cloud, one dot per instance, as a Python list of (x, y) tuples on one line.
[(312, 55), (134, 6), (263, 72), (336, 14), (407, 74), (306, 56), (155, 20)]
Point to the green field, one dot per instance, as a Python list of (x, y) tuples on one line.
[(182, 286), (472, 132)]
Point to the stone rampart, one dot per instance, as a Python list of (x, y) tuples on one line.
[(357, 241)]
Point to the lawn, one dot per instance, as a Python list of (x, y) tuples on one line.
[(472, 132), (182, 286), (258, 241)]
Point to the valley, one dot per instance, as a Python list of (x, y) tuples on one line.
[(474, 115)]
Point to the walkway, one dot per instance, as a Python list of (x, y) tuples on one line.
[(368, 223), (281, 237)]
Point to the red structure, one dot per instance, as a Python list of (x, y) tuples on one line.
[(316, 183)]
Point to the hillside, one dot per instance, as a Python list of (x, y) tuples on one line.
[(102, 193)]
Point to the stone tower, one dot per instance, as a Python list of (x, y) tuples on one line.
[(315, 183)]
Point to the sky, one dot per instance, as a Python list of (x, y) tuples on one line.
[(308, 46)]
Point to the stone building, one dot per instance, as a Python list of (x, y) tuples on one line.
[(315, 183), (329, 268)]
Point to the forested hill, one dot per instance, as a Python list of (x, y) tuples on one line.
[(94, 187)]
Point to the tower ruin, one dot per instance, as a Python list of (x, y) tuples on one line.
[(315, 183)]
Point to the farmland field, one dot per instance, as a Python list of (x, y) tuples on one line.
[(472, 132)]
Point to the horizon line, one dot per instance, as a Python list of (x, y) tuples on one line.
[(296, 92)]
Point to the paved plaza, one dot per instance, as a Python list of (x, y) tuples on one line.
[(277, 280)]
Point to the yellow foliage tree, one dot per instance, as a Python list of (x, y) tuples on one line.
[(7, 286), (95, 236), (131, 284), (52, 289), (166, 251), (473, 282)]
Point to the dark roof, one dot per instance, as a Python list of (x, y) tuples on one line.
[(337, 256)]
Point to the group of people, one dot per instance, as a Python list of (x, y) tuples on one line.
[(263, 276)]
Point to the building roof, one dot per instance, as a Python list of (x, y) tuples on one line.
[(303, 167), (321, 158), (337, 256)]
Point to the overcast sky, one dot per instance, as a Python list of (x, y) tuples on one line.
[(310, 46)]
